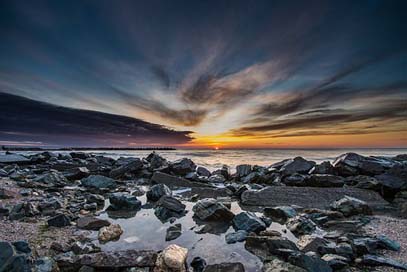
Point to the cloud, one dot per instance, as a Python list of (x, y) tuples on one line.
[(23, 119)]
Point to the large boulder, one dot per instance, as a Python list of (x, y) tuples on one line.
[(14, 158), (169, 207), (172, 258), (111, 232), (91, 223), (268, 247), (243, 170), (76, 173), (54, 179), (324, 180), (12, 259), (129, 168), (173, 181), (99, 182), (352, 164), (123, 201), (374, 260), (202, 171), (323, 168), (183, 166), (351, 206), (59, 221), (296, 165), (249, 222), (280, 213), (156, 161), (210, 209), (157, 191)]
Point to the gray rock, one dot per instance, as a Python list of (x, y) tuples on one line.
[(84, 248), (22, 247), (336, 262), (309, 263), (280, 213), (98, 182), (53, 178), (45, 264), (59, 221), (277, 265), (323, 168), (198, 264), (238, 236), (156, 161), (14, 158), (123, 201), (352, 164), (79, 155), (224, 171), (268, 247), (157, 191), (374, 260), (364, 182), (351, 206), (210, 209), (243, 170), (76, 173), (91, 223), (131, 167), (216, 179), (169, 207), (13, 260), (225, 267), (182, 167), (301, 225), (296, 165), (249, 222), (173, 232), (173, 181), (295, 180), (94, 198), (202, 171), (324, 180)]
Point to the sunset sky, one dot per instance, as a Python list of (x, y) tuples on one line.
[(227, 74)]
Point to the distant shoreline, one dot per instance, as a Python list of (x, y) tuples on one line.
[(4, 148)]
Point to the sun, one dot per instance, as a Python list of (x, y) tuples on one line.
[(216, 148)]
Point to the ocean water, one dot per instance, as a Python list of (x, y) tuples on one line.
[(214, 159)]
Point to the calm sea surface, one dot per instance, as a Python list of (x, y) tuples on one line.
[(214, 159)]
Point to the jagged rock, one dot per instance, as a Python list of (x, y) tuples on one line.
[(249, 222), (352, 164), (130, 167), (156, 161), (238, 236), (79, 155), (94, 198), (277, 265), (172, 258), (351, 206), (123, 201), (91, 223), (49, 206), (182, 167), (157, 191), (76, 173), (53, 178), (301, 225), (202, 171), (25, 209), (390, 184), (280, 213), (14, 158), (59, 221), (375, 260), (224, 171), (216, 179), (98, 182), (108, 233), (84, 248), (210, 209), (225, 267), (324, 180), (336, 262), (323, 168), (173, 181), (295, 180), (267, 247), (198, 264), (363, 182), (168, 207), (243, 170), (364, 245), (296, 165), (11, 259), (173, 232), (45, 264), (309, 263)]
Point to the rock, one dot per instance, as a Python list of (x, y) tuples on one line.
[(202, 171), (390, 184), (108, 233), (336, 262), (59, 221), (238, 236), (79, 155), (307, 197), (49, 206), (45, 264), (249, 222), (98, 182), (5, 194), (22, 247), (216, 179), (363, 182), (210, 209), (352, 164), (280, 213), (198, 264), (387, 243), (53, 178), (13, 260), (374, 260), (277, 265), (324, 180), (172, 258), (295, 180), (351, 206), (243, 170), (84, 248), (14, 158), (131, 167), (91, 223), (173, 181), (123, 201), (182, 167), (309, 263), (323, 168), (94, 198), (76, 173), (365, 245), (271, 233), (157, 191), (168, 207), (225, 267), (296, 165), (224, 171), (25, 209), (268, 247), (301, 225), (173, 232), (156, 161)]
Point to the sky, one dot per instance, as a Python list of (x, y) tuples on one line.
[(204, 74)]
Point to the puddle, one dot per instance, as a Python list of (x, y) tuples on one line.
[(143, 230)]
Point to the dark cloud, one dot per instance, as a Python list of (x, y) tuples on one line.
[(25, 119)]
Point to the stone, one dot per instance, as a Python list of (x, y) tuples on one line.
[(22, 247), (296, 165), (94, 198), (84, 248), (351, 206), (182, 167), (172, 258), (49, 206), (198, 264), (202, 171), (76, 173), (295, 179), (13, 260), (98, 182), (131, 167), (363, 182), (216, 179), (224, 171), (280, 213), (173, 181), (238, 236), (322, 168), (91, 223), (14, 158), (111, 232), (210, 209), (387, 243), (336, 262), (352, 164), (53, 178), (45, 264), (6, 194), (268, 247), (173, 232), (390, 184), (123, 201), (156, 161), (309, 263), (59, 221), (225, 267), (249, 222), (374, 260), (324, 180), (169, 207), (277, 265), (79, 155), (243, 170), (157, 191), (300, 225)]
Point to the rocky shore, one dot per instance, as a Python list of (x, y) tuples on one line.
[(86, 212)]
